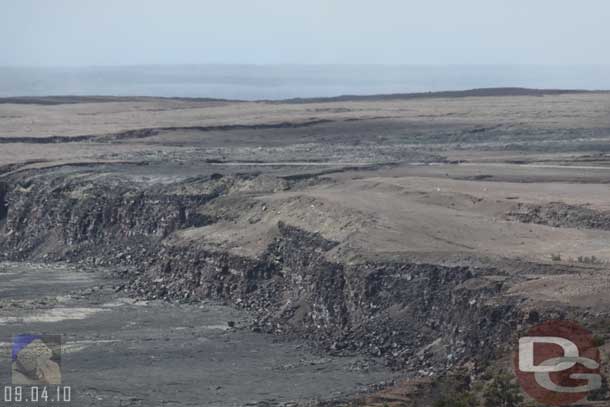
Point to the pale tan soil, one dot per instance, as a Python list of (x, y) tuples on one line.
[(579, 110), (587, 289), (416, 215), (399, 124)]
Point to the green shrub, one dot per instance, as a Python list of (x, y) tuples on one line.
[(502, 392), (465, 399), (598, 341)]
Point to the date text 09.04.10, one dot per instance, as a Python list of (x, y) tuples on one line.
[(37, 394)]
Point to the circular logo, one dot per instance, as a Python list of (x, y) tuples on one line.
[(557, 363)]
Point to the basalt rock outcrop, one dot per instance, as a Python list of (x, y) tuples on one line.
[(559, 214), (417, 316)]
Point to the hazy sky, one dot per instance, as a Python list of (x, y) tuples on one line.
[(124, 32)]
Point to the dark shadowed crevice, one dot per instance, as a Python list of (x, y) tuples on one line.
[(3, 201)]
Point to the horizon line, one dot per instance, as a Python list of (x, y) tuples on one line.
[(475, 92)]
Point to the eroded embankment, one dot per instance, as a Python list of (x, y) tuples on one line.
[(557, 214), (418, 316), (414, 315), (150, 132)]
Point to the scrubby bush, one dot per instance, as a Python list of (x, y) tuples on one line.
[(598, 341), (502, 392), (465, 399)]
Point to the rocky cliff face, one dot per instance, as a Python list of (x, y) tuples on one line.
[(66, 213), (3, 201), (421, 317), (417, 316)]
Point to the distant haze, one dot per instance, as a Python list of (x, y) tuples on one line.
[(250, 82), (134, 32), (273, 49)]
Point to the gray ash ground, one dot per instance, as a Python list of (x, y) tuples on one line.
[(123, 352)]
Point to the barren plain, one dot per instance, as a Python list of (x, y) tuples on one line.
[(366, 248)]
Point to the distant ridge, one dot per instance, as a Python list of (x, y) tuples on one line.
[(69, 99), (481, 92)]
